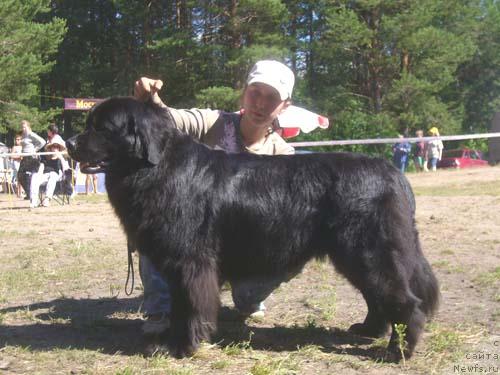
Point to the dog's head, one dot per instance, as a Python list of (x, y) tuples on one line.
[(120, 130)]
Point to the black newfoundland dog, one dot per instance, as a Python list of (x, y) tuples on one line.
[(204, 216)]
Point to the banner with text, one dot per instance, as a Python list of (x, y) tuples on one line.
[(80, 104)]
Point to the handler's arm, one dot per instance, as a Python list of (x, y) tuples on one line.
[(195, 122)]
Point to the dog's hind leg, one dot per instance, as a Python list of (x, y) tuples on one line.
[(391, 301), (375, 324), (383, 280), (195, 304)]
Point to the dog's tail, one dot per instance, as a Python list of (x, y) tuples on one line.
[(424, 285)]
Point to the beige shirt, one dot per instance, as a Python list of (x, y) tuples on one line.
[(219, 129)]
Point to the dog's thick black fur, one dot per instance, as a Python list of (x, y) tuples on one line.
[(204, 216)]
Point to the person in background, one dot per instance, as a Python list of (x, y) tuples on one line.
[(50, 171), (91, 181), (30, 143), (53, 134), (433, 149), (419, 153), (267, 93), (15, 163), (401, 151)]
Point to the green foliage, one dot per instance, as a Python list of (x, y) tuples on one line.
[(28, 44), (400, 59), (224, 98), (374, 67), (401, 339), (479, 77)]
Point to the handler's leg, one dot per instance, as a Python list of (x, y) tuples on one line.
[(157, 302), (249, 294)]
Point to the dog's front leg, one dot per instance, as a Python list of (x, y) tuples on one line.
[(195, 304)]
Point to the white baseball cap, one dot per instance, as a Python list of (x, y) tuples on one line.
[(275, 74)]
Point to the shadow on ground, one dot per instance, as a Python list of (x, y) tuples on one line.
[(103, 325)]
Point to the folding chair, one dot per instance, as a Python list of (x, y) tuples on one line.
[(64, 189)]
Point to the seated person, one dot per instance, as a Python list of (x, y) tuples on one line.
[(52, 168)]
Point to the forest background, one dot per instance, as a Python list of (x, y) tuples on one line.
[(376, 68)]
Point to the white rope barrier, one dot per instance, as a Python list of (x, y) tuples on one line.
[(7, 154), (391, 140), (329, 143)]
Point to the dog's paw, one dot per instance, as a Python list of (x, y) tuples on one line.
[(181, 351), (392, 355), (365, 330)]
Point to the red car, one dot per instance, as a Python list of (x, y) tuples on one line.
[(462, 158)]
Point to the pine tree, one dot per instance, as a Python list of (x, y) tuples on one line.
[(480, 77), (384, 67), (27, 47)]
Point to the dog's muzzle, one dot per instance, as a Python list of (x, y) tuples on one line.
[(87, 167)]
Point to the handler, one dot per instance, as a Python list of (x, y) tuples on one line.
[(267, 93)]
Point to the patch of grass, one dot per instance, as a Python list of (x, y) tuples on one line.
[(181, 371), (401, 339), (495, 316), (447, 252), (311, 322), (159, 361), (288, 365), (321, 267), (380, 343), (78, 248), (324, 302), (441, 264), (312, 352), (16, 234), (220, 364), (446, 266), (309, 350), (444, 341), (39, 270), (125, 371), (20, 280), (488, 279), (10, 234), (239, 348), (457, 190)]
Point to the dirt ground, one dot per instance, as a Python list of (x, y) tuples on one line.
[(63, 308)]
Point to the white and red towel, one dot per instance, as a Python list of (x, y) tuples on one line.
[(295, 119)]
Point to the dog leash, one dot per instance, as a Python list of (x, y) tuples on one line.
[(130, 270), (130, 248)]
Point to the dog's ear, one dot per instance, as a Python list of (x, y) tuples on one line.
[(149, 140)]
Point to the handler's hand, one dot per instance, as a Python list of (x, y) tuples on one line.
[(146, 88)]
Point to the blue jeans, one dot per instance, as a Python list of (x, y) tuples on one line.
[(434, 162), (247, 294), (156, 291), (400, 161)]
